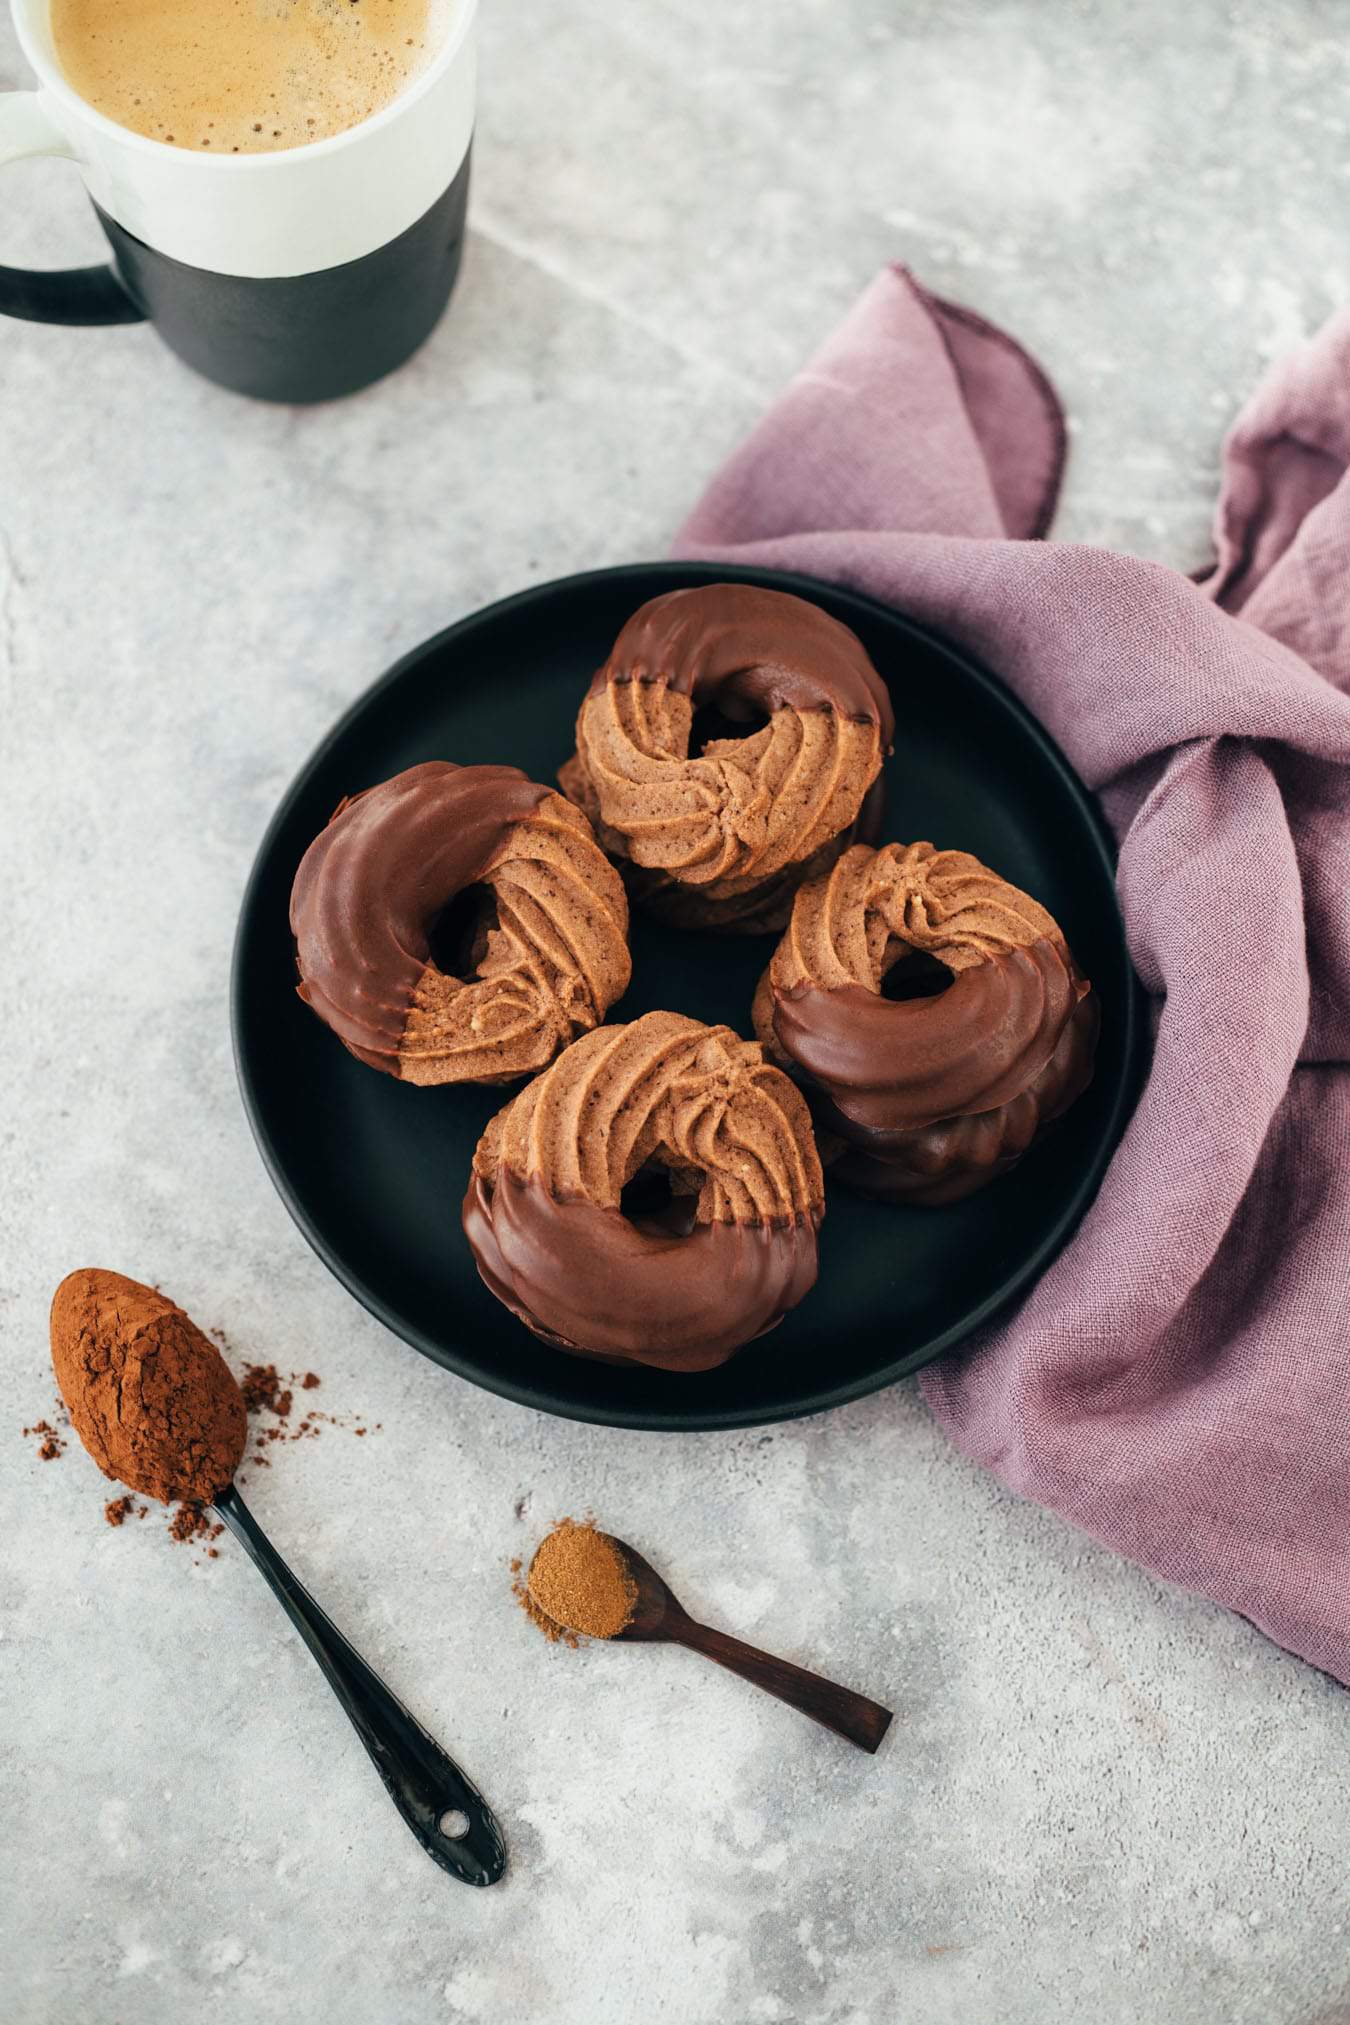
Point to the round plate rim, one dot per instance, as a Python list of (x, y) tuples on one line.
[(822, 1398)]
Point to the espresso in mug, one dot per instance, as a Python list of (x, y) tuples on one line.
[(243, 76)]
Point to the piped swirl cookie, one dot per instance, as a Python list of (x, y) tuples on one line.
[(930, 1096), (374, 885), (682, 1284), (722, 836)]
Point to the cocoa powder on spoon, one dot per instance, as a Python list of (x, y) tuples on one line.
[(149, 1395)]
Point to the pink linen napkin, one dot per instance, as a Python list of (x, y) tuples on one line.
[(1179, 1381)]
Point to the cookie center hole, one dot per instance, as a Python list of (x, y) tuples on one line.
[(727, 720), (457, 938), (651, 1203), (915, 974)]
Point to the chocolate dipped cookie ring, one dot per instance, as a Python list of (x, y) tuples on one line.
[(681, 1288), (373, 885), (931, 1097), (723, 836)]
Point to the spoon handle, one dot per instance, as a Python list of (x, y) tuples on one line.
[(420, 1779), (849, 1715)]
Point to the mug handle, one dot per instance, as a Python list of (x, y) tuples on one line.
[(72, 295)]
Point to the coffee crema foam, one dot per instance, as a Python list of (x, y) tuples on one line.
[(243, 77)]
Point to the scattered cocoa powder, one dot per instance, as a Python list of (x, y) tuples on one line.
[(267, 1391), (194, 1522), (578, 1585), (50, 1443), (261, 1387), (118, 1509)]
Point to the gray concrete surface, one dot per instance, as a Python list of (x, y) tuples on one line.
[(1102, 1799)]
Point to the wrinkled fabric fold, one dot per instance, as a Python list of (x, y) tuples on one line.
[(1179, 1381)]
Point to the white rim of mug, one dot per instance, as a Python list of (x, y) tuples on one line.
[(52, 82)]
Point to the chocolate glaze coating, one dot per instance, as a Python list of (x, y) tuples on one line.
[(749, 650), (951, 1158), (577, 1274), (931, 1097), (682, 1289), (888, 1068), (372, 883)]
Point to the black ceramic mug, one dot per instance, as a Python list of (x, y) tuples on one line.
[(297, 275)]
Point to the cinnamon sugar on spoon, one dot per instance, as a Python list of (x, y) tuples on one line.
[(583, 1583), (578, 1585)]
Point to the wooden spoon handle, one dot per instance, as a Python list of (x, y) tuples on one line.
[(849, 1715)]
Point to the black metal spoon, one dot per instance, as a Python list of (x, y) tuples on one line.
[(420, 1779)]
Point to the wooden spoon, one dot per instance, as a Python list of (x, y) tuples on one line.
[(658, 1617)]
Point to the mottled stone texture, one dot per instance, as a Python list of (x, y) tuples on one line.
[(1101, 1799)]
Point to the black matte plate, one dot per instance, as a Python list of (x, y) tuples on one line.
[(374, 1170)]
